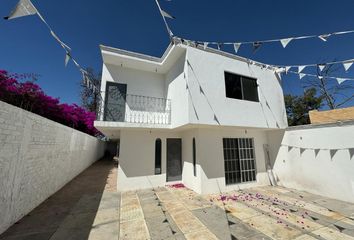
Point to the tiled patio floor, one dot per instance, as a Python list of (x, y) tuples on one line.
[(90, 208), (258, 213)]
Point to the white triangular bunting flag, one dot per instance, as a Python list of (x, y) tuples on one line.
[(237, 47), (165, 14), (287, 69), (351, 152), (23, 8), (280, 70), (324, 37), (301, 68), (341, 80), (206, 45), (347, 65), (302, 75), (321, 66), (67, 58), (285, 41)]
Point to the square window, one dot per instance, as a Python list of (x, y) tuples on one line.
[(240, 87)]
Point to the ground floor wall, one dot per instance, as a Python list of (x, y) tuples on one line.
[(316, 159), (137, 158), (211, 158), (37, 158)]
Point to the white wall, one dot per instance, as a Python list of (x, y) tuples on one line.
[(330, 175), (211, 158), (37, 158), (137, 159), (178, 93), (138, 82), (141, 83), (208, 70), (191, 181)]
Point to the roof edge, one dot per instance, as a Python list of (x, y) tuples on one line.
[(138, 55), (179, 41)]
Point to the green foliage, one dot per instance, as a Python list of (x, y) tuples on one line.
[(298, 107)]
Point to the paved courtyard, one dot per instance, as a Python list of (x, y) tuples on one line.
[(89, 207)]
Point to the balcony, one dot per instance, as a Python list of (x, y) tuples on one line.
[(135, 109)]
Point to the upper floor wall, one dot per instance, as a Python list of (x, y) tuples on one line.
[(192, 82), (138, 82), (151, 90), (209, 103)]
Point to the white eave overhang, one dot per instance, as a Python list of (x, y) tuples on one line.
[(127, 59), (162, 65)]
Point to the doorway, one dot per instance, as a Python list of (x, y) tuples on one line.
[(174, 159), (116, 96)]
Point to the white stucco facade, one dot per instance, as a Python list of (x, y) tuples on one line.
[(192, 80), (316, 159)]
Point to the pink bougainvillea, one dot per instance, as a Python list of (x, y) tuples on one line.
[(31, 97)]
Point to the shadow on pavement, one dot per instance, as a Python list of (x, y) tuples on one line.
[(76, 211)]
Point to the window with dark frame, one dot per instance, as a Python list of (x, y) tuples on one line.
[(239, 160), (158, 154), (194, 159), (241, 87)]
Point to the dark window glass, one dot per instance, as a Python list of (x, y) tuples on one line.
[(233, 86), (240, 87), (249, 87), (158, 156), (194, 159)]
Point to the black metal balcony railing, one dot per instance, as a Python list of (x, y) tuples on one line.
[(135, 109)]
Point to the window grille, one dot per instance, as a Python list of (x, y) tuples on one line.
[(239, 160)]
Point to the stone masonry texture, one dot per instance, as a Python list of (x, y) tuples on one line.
[(37, 158)]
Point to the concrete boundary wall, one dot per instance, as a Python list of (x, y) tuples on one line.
[(320, 159), (37, 158)]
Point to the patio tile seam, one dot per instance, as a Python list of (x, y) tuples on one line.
[(298, 202), (262, 212), (246, 220), (303, 210), (304, 231), (202, 228)]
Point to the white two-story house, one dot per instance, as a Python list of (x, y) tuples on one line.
[(196, 115)]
